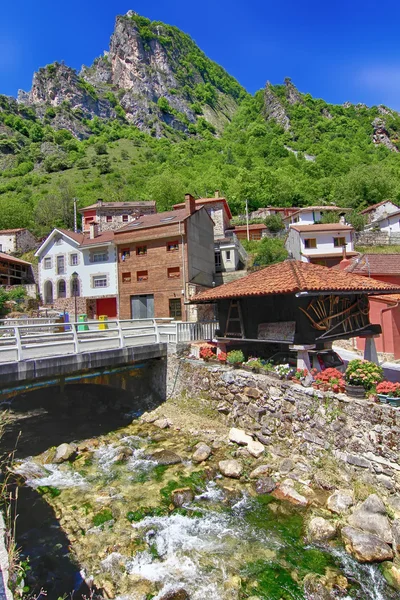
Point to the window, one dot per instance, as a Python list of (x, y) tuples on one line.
[(228, 255), (1, 247), (99, 257), (108, 219), (142, 307), (310, 243), (174, 272), (141, 250), (126, 277), (47, 262), (100, 281), (125, 253), (75, 287), (218, 260), (142, 276), (125, 218), (175, 308), (60, 265), (173, 246), (61, 289), (73, 260), (338, 242)]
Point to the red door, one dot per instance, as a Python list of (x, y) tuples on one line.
[(107, 306)]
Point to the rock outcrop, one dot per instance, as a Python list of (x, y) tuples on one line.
[(366, 547), (274, 109)]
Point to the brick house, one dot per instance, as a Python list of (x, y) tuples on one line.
[(113, 215), (163, 260), (16, 240)]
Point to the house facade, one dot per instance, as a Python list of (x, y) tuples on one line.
[(16, 240), (113, 215), (379, 211), (320, 244), (313, 214), (163, 260), (389, 223), (81, 268), (256, 231)]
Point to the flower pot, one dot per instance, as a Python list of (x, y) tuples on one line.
[(355, 391), (392, 400)]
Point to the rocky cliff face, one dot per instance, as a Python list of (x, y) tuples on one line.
[(153, 76)]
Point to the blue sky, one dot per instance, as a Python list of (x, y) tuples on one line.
[(337, 50)]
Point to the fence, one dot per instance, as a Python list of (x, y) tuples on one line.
[(39, 340)]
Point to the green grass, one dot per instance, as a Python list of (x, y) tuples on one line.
[(378, 249), (102, 517)]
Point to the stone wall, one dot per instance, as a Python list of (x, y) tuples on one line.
[(377, 238), (359, 433)]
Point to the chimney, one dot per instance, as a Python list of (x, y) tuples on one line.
[(190, 204), (345, 262), (99, 202), (216, 194), (94, 230)]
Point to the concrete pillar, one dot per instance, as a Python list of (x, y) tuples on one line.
[(370, 352), (303, 360)]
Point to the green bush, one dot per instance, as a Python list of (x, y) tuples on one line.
[(163, 105), (364, 373), (235, 357), (274, 223)]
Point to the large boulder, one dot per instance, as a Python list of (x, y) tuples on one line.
[(64, 452), (371, 517), (396, 536), (201, 453), (230, 468), (340, 501), (165, 457), (239, 436), (365, 547), (320, 530)]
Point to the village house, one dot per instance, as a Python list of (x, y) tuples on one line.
[(313, 214), (262, 213), (18, 240), (384, 309), (388, 223), (379, 211), (163, 260), (79, 268), (14, 271), (322, 244), (256, 231), (229, 253), (113, 215), (299, 305)]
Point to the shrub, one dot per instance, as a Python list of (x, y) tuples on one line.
[(235, 357), (364, 373), (274, 223), (330, 377), (163, 105)]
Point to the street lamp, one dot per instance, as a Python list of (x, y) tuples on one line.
[(75, 280)]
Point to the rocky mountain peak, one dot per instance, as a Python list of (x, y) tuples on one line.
[(274, 108)]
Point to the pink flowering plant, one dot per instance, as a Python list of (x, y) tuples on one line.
[(364, 373)]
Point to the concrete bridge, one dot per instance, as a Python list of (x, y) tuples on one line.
[(57, 354)]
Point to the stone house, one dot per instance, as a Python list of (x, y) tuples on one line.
[(16, 240), (92, 256), (320, 244), (163, 259), (113, 215), (379, 211)]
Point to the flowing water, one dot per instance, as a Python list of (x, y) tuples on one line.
[(113, 505)]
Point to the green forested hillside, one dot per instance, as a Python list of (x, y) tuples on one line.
[(326, 155)]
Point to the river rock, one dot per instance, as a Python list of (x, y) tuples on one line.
[(365, 547), (165, 457), (124, 454), (391, 572), (162, 423), (371, 517), (340, 501), (320, 530), (260, 471), (315, 590), (64, 452), (201, 453), (286, 491), (264, 485), (286, 466), (181, 496), (230, 468), (256, 449), (396, 536), (239, 436), (180, 594)]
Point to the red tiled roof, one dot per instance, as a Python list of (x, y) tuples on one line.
[(321, 227), (155, 220), (201, 201), (291, 277), (104, 204), (373, 206), (5, 231), (375, 264), (338, 254), (321, 208), (4, 256), (392, 298), (83, 239)]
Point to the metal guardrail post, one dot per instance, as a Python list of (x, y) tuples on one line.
[(76, 340), (157, 332), (120, 334), (18, 342)]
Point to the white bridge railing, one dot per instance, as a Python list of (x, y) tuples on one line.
[(43, 340)]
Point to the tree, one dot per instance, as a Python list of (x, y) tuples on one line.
[(100, 148), (356, 219), (166, 190), (274, 223), (57, 208)]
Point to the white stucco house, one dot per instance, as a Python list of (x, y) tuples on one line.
[(320, 244), (390, 223), (16, 240), (81, 268), (313, 214), (379, 211)]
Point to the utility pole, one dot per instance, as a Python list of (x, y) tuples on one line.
[(247, 220), (75, 218)]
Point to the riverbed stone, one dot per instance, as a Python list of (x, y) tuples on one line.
[(287, 491), (64, 452), (286, 466), (396, 536), (340, 501), (182, 496), (162, 423), (231, 468), (264, 485), (202, 452), (180, 594), (371, 517), (124, 454), (239, 436), (391, 573), (320, 530), (165, 457), (256, 449), (365, 547), (260, 471), (252, 392)]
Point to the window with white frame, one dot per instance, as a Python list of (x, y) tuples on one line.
[(73, 260), (99, 257), (99, 281), (47, 262)]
